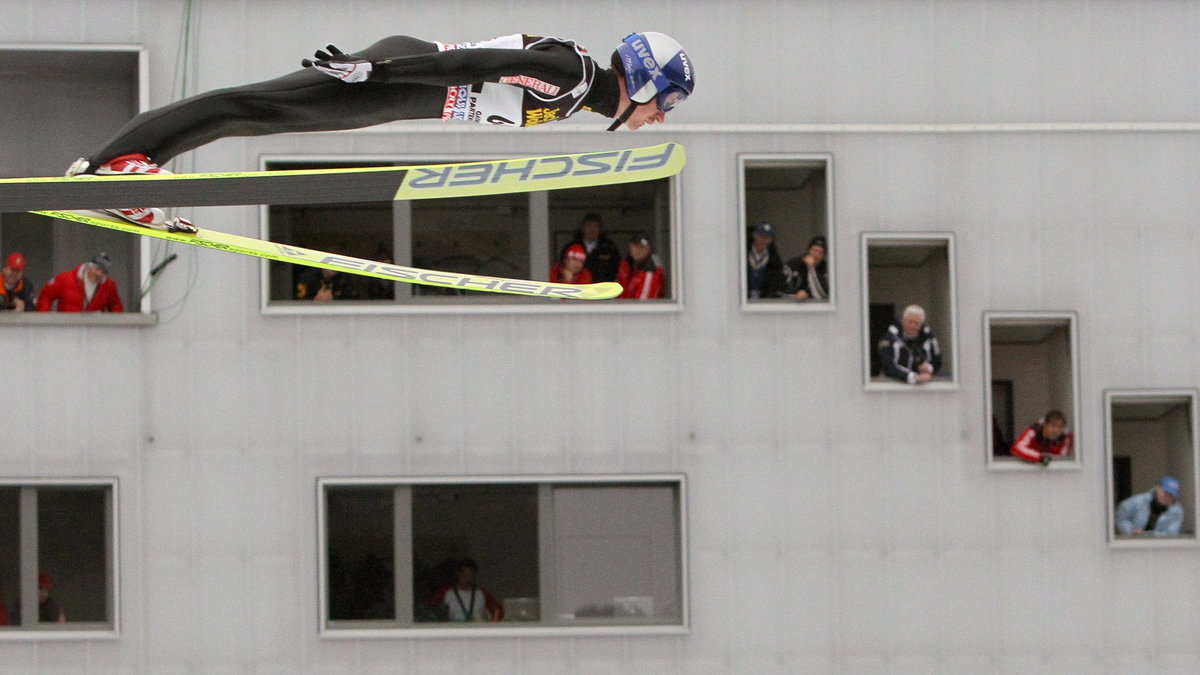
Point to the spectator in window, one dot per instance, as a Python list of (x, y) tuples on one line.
[(764, 266), (465, 600), (603, 257), (570, 269), (375, 288), (640, 273), (809, 274), (1044, 440), (322, 285), (85, 288), (48, 609), (15, 291), (908, 350), (1156, 513)]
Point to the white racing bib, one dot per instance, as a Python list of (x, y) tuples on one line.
[(515, 100)]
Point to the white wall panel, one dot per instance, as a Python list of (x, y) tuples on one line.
[(543, 657), (166, 491), (167, 622), (969, 620)]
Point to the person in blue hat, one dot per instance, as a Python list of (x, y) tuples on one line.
[(1156, 513)]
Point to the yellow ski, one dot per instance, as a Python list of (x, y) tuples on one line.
[(329, 186), (233, 243)]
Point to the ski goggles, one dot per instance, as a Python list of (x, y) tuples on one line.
[(670, 97)]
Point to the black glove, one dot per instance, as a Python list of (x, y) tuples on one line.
[(336, 63)]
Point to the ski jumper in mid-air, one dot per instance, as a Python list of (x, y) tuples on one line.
[(516, 80)]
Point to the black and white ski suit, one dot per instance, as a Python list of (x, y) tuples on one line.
[(518, 80)]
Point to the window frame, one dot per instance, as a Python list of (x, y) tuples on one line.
[(1049, 317), (1165, 395), (747, 160), (500, 304), (87, 630), (145, 255), (490, 630), (867, 343)]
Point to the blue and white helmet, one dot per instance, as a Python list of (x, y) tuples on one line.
[(656, 68)]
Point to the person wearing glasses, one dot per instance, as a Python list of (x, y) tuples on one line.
[(515, 80)]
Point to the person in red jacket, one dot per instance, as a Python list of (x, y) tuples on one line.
[(1044, 440), (86, 288), (464, 600), (640, 274), (571, 270)]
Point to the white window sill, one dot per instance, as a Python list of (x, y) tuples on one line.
[(887, 384), (70, 631), (1151, 541), (1014, 464), (782, 305), (513, 629), (77, 319), (458, 306)]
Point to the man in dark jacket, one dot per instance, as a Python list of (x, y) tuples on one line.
[(603, 257), (764, 266), (908, 350), (808, 275), (322, 285), (16, 291)]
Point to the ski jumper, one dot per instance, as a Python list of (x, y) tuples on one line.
[(518, 80)]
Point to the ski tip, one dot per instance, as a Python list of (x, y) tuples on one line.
[(604, 290)]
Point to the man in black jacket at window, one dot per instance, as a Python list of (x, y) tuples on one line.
[(908, 350), (603, 257)]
